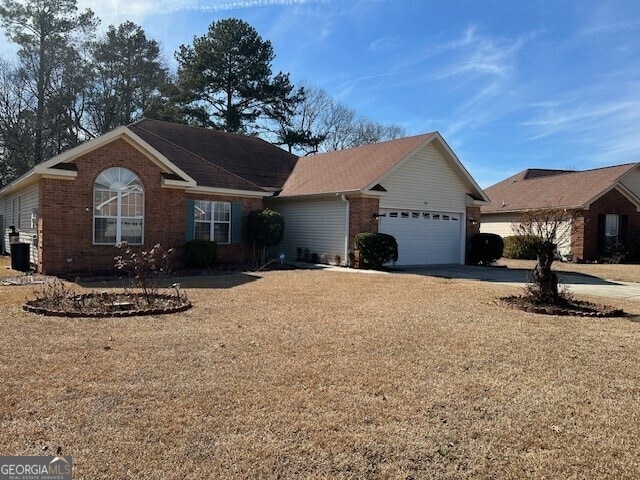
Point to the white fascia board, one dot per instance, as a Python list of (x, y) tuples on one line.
[(121, 132), (319, 195), (81, 149), (371, 194), (25, 180), (472, 201), (58, 174), (169, 183), (156, 156), (462, 168), (229, 191)]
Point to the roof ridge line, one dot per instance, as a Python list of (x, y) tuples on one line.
[(426, 134), (201, 158)]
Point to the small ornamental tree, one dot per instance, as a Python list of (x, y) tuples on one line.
[(265, 228), (376, 249), (550, 226)]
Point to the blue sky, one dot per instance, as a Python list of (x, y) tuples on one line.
[(509, 84)]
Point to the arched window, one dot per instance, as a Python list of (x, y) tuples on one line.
[(118, 207)]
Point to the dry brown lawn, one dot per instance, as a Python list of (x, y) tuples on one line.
[(310, 374), (5, 267), (622, 273)]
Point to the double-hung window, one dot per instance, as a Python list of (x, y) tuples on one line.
[(118, 207), (212, 221)]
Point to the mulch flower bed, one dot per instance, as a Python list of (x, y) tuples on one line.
[(576, 308), (107, 304)]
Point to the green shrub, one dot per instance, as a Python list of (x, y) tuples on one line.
[(521, 247), (265, 228), (201, 254), (376, 249), (485, 248)]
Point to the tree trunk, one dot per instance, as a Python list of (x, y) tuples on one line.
[(545, 278)]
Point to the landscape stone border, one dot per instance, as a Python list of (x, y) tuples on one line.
[(596, 310), (31, 306), (22, 280)]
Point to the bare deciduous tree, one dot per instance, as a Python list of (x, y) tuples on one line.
[(551, 227)]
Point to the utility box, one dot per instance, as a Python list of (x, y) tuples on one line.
[(19, 252), (20, 256)]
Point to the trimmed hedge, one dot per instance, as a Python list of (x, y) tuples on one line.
[(485, 248), (376, 249), (521, 247), (201, 254)]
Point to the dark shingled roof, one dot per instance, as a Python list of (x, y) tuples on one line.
[(537, 188), (219, 159)]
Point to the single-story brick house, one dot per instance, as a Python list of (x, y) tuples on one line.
[(157, 182), (605, 205)]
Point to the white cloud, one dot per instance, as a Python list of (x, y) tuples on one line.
[(117, 10), (385, 43), (600, 131)]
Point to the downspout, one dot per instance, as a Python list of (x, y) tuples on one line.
[(343, 197)]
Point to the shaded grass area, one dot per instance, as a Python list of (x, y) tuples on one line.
[(309, 374), (619, 272)]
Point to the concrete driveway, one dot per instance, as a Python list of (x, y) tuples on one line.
[(577, 283)]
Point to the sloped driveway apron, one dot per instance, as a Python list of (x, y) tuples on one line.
[(577, 283)]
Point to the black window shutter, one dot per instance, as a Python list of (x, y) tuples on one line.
[(624, 227), (236, 222), (189, 220), (601, 227)]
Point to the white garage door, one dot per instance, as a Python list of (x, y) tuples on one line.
[(424, 238)]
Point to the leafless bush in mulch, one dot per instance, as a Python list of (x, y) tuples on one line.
[(564, 304), (145, 271), (57, 299)]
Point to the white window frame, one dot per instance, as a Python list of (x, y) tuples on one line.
[(213, 222), (611, 240), (119, 217), (607, 222)]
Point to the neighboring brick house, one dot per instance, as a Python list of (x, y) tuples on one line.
[(604, 205), (157, 182)]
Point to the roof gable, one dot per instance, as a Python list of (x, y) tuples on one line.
[(563, 189), (360, 169)]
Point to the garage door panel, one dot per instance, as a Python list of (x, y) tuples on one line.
[(424, 237)]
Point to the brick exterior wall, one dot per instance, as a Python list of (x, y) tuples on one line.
[(362, 217), (577, 235), (585, 235), (65, 227)]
